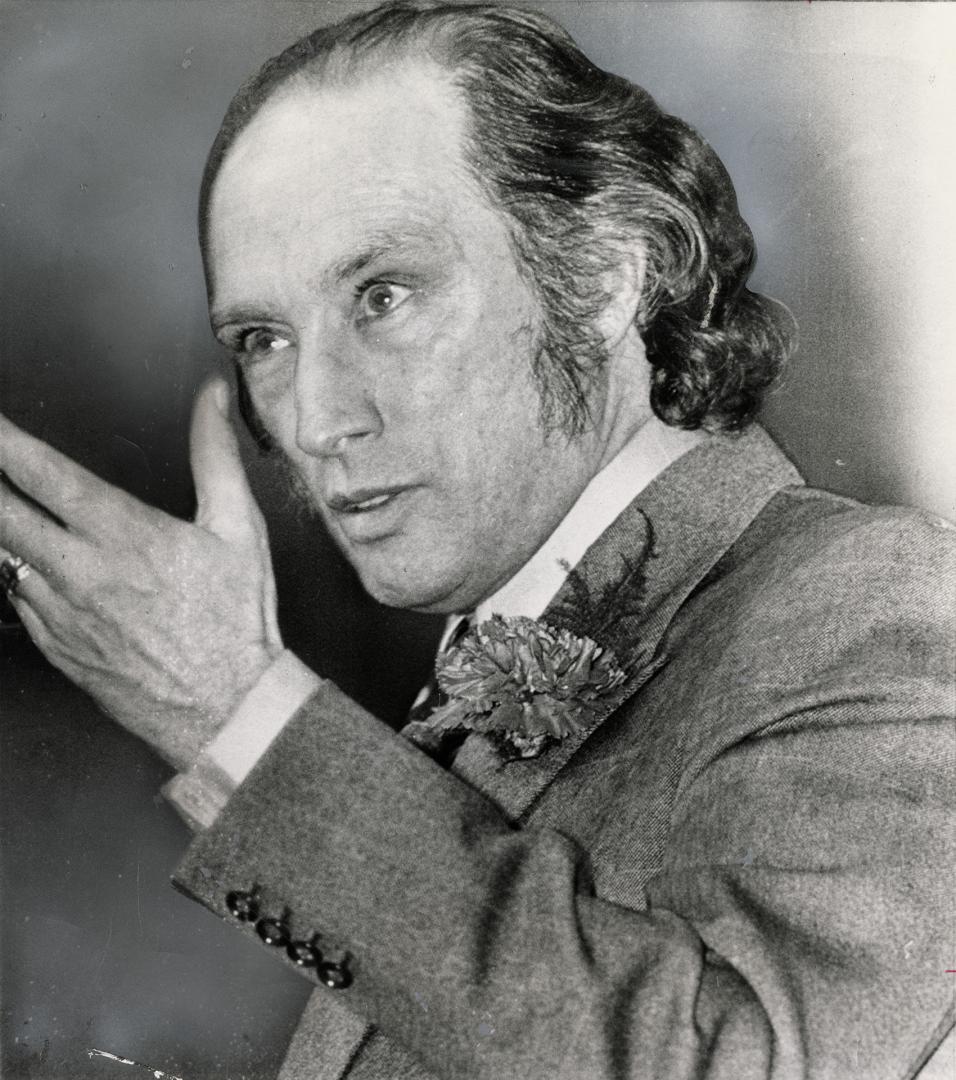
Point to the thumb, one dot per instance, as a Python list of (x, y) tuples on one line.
[(224, 501)]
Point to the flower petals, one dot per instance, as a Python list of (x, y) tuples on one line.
[(524, 680)]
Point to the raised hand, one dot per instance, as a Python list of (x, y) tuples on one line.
[(166, 624)]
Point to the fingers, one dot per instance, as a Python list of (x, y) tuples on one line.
[(13, 571), (28, 588), (73, 494), (225, 503), (32, 622), (36, 603), (33, 535)]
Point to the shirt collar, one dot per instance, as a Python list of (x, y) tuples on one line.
[(644, 456)]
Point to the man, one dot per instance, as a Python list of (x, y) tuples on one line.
[(684, 811)]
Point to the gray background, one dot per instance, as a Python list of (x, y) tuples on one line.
[(830, 117)]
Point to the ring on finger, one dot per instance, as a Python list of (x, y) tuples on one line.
[(13, 570)]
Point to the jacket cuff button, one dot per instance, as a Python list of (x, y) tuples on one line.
[(334, 976), (305, 954), (243, 906), (273, 931)]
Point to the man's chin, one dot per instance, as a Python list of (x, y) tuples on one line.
[(431, 597)]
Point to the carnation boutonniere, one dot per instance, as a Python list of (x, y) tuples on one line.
[(522, 682)]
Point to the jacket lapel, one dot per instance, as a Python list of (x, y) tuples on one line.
[(664, 543)]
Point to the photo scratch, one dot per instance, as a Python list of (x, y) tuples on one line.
[(139, 910), (106, 949), (157, 1073)]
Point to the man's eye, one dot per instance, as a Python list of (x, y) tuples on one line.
[(260, 343), (381, 299)]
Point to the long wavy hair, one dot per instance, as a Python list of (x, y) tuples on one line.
[(584, 167)]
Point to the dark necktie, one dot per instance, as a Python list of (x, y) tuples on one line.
[(435, 697)]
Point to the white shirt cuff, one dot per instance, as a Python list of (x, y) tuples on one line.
[(204, 789)]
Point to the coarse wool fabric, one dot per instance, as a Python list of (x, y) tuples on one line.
[(743, 869)]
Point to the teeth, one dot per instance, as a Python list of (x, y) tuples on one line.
[(376, 500)]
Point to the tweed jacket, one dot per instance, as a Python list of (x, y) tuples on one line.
[(743, 869)]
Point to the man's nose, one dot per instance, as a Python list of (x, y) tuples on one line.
[(333, 401)]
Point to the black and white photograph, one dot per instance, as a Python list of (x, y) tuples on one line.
[(477, 545)]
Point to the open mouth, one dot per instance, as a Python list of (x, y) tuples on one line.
[(362, 502), (369, 504)]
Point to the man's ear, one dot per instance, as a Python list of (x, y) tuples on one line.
[(624, 287)]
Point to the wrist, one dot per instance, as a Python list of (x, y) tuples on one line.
[(226, 759)]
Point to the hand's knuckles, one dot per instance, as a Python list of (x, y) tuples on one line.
[(53, 565)]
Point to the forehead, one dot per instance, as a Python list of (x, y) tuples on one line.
[(327, 161)]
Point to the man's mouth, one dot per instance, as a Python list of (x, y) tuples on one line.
[(361, 501)]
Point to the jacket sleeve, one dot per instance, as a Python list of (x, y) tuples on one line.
[(798, 926), (200, 793)]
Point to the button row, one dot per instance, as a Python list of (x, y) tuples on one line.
[(304, 953)]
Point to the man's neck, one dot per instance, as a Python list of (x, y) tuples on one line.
[(643, 457)]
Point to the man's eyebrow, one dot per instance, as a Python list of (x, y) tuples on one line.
[(347, 267), (239, 313), (384, 243)]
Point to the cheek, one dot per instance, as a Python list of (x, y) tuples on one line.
[(270, 398), (473, 377)]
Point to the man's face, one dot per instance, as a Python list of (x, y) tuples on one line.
[(386, 335)]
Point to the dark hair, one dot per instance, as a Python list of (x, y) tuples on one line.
[(583, 165)]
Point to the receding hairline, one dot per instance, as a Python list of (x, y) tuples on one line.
[(409, 194), (341, 70)]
